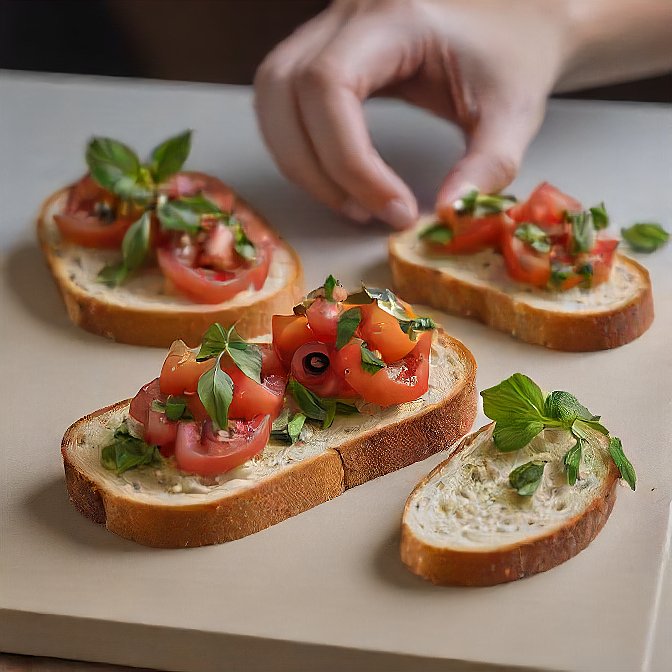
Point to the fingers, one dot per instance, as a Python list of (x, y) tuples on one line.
[(494, 151), (310, 112)]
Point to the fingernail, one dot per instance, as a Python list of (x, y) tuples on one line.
[(355, 211), (397, 214)]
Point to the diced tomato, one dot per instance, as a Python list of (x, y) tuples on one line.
[(208, 453), (323, 319), (180, 371), (523, 263), (399, 382), (289, 333), (382, 332), (206, 286), (219, 251), (90, 231), (313, 366), (192, 183), (545, 207), (470, 234), (600, 259), (142, 401), (159, 431)]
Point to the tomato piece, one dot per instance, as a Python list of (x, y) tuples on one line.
[(190, 184), (208, 453), (206, 286), (398, 383), (90, 231), (523, 263), (382, 332), (600, 259), (271, 364), (142, 401), (545, 207), (289, 333), (323, 319), (180, 371), (470, 234), (159, 430), (313, 366)]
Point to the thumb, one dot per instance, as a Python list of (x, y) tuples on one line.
[(494, 152)]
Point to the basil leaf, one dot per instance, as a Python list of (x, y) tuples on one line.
[(116, 168), (295, 425), (624, 465), (135, 244), (479, 205), (288, 429), (127, 452), (214, 342), (527, 477), (572, 461), (329, 286), (586, 272), (247, 359), (518, 398), (560, 272), (515, 434), (215, 390), (307, 401), (329, 412), (583, 233), (168, 157), (645, 236), (158, 406), (437, 233), (599, 216), (113, 275), (565, 407), (534, 236), (389, 302), (346, 409), (347, 325), (418, 324), (185, 214), (176, 408), (242, 244), (371, 363)]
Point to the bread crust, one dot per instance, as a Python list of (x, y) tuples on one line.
[(159, 328), (572, 332), (275, 498), (452, 567)]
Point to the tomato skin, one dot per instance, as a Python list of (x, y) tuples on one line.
[(204, 287), (470, 234), (523, 263), (382, 332), (201, 451), (180, 371), (323, 319), (290, 332), (545, 207), (90, 231), (330, 383), (159, 431), (410, 382), (142, 401)]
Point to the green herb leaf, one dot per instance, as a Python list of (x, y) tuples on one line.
[(214, 342), (513, 435), (215, 390), (586, 272), (185, 214), (645, 236), (479, 205), (218, 340), (565, 407), (288, 429), (315, 407), (622, 462), (371, 363), (533, 236), (176, 408), (387, 300), (559, 272), (135, 244), (168, 157), (329, 412), (113, 275), (599, 216), (437, 233), (518, 398), (295, 425), (242, 244), (583, 233), (572, 461), (347, 325), (116, 168), (329, 286), (127, 452), (527, 477), (247, 359)]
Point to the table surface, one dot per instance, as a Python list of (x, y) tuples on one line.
[(325, 588)]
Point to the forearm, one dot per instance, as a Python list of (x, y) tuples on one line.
[(616, 40)]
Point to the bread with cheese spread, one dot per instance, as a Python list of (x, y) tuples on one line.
[(465, 525), (143, 311), (477, 285), (163, 507)]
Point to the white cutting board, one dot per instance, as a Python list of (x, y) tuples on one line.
[(324, 590)]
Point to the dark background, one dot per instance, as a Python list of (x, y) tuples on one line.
[(192, 40)]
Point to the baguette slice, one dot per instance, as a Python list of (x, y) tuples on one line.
[(164, 508), (464, 525), (477, 285), (141, 312)]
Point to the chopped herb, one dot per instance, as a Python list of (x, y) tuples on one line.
[(583, 232), (645, 236), (437, 233), (371, 363), (479, 205), (560, 272), (127, 452), (288, 429), (625, 468), (527, 477), (186, 213), (572, 461), (599, 216), (390, 303), (317, 408), (586, 272), (347, 325), (534, 236), (329, 286)]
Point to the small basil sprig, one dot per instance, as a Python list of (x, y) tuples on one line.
[(287, 428), (347, 324), (477, 204), (317, 408), (534, 236), (526, 478), (645, 236), (521, 411), (215, 390), (185, 214), (218, 340), (371, 363), (127, 452), (174, 407), (437, 233)]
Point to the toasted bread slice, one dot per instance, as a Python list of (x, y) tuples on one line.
[(465, 525), (166, 508), (141, 311), (477, 285)]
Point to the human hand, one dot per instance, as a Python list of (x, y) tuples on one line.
[(485, 65)]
